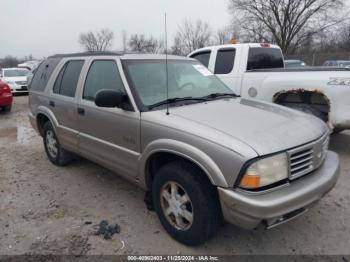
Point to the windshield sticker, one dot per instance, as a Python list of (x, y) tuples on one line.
[(203, 70), (339, 81)]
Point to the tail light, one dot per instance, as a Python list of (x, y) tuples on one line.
[(4, 88), (265, 45)]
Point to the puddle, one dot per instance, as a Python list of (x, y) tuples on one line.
[(19, 135)]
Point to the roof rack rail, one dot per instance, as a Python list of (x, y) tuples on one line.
[(89, 53)]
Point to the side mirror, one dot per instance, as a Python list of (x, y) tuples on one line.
[(111, 99)]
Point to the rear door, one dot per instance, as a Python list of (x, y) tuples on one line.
[(63, 102), (110, 136)]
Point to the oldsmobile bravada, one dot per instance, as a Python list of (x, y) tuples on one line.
[(203, 154)]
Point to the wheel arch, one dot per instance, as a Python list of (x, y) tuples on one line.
[(313, 97), (164, 151), (43, 115)]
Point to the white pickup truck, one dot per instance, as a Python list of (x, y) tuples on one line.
[(256, 71)]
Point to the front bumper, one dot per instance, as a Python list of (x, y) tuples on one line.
[(249, 210), (18, 89)]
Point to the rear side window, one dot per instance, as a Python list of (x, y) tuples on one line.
[(202, 57), (42, 74), (103, 74), (224, 61), (264, 58), (67, 79)]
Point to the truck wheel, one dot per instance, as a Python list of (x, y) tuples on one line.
[(56, 154), (7, 108), (308, 109), (186, 203)]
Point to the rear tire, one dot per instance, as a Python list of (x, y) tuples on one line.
[(7, 108), (194, 195), (56, 154)]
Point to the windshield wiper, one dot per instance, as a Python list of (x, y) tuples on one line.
[(176, 100), (219, 95)]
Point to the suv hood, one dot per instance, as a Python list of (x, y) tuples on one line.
[(266, 128)]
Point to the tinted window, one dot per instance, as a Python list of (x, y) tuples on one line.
[(56, 87), (202, 57), (42, 74), (224, 61), (102, 75), (67, 80), (264, 58)]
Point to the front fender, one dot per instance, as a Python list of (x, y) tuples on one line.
[(184, 150)]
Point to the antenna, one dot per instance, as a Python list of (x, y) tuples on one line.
[(166, 66)]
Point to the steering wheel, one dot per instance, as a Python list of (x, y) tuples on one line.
[(187, 84)]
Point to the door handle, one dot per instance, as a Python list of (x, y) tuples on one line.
[(81, 111), (52, 103)]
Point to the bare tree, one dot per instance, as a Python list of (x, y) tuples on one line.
[(9, 61), (97, 41), (125, 40), (286, 22), (191, 36), (142, 44), (226, 34)]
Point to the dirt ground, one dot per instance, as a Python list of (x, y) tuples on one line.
[(49, 210)]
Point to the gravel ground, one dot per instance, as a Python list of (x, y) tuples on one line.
[(49, 210)]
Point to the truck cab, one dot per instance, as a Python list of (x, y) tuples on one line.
[(257, 71)]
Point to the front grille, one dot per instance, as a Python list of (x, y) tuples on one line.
[(305, 159), (301, 163)]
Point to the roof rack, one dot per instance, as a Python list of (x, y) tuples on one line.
[(90, 53)]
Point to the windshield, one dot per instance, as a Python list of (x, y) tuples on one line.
[(187, 79), (15, 72), (346, 63)]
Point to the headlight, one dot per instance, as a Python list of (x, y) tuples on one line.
[(10, 82), (265, 172)]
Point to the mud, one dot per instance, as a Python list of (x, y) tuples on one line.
[(49, 210)]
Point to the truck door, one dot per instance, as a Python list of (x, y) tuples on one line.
[(110, 136)]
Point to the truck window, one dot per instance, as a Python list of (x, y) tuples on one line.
[(264, 58), (224, 61), (67, 80), (103, 74), (202, 57)]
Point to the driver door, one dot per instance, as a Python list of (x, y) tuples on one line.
[(109, 136)]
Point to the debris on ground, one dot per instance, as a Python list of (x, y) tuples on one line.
[(107, 230)]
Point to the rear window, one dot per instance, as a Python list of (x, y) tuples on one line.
[(42, 74), (67, 80), (264, 58), (202, 57), (224, 61)]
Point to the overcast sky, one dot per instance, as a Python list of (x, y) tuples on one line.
[(45, 27)]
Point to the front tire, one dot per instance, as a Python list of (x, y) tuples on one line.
[(56, 154), (186, 203)]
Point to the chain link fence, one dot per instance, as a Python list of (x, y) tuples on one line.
[(318, 59)]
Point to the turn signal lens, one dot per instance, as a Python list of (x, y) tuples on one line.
[(250, 181)]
